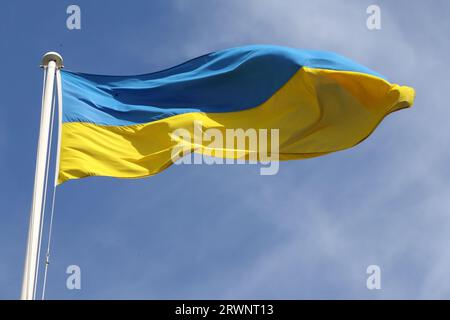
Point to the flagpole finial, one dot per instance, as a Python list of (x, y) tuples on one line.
[(52, 56)]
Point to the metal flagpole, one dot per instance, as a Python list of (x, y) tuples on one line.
[(51, 62)]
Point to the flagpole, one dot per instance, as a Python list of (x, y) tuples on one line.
[(51, 62)]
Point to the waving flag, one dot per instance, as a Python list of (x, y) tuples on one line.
[(321, 102)]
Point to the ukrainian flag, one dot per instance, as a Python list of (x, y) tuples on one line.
[(321, 102)]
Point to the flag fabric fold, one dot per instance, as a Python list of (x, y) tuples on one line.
[(321, 102)]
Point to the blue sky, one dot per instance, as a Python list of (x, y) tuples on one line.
[(219, 232)]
